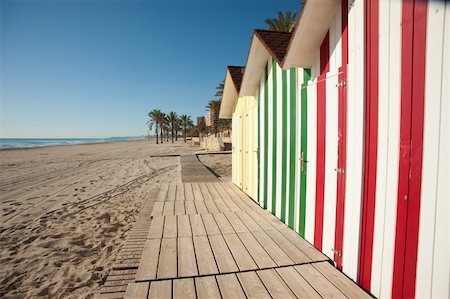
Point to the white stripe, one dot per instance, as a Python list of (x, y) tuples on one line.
[(355, 140), (288, 142), (298, 121), (311, 164), (432, 280), (279, 141), (331, 157), (393, 151), (269, 138)]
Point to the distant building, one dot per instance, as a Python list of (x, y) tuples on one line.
[(200, 119), (209, 119)]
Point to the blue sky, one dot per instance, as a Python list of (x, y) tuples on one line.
[(96, 68)]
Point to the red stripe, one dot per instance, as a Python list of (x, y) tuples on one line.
[(371, 140), (342, 143), (320, 171), (414, 24), (321, 121)]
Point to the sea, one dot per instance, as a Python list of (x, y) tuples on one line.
[(6, 143)]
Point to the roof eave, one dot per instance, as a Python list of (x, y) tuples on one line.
[(254, 68), (311, 28), (229, 97)]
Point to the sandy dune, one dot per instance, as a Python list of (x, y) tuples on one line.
[(65, 212)]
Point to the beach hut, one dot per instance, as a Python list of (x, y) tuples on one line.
[(243, 112), (352, 130), (377, 187)]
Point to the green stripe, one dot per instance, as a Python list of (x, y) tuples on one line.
[(292, 145), (274, 135), (266, 133), (304, 139), (283, 143)]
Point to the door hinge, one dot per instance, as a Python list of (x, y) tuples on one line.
[(337, 252), (341, 84), (302, 162), (340, 170)]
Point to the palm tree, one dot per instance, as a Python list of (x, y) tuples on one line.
[(214, 107), (283, 22), (155, 120), (177, 127), (185, 122), (219, 89), (172, 118)]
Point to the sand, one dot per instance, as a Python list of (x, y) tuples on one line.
[(220, 164), (65, 212)]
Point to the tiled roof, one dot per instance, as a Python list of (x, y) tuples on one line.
[(276, 42), (236, 73)]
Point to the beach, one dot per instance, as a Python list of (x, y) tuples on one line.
[(66, 211)]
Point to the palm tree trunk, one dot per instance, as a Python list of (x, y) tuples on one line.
[(172, 134), (184, 134), (157, 135), (162, 137)]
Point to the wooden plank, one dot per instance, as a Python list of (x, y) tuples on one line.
[(221, 206), (184, 226), (137, 290), (201, 207), (156, 228), (205, 258), (295, 253), (172, 187), (229, 286), (299, 286), (162, 195), (188, 194), (252, 285), (260, 256), (236, 223), (190, 207), (160, 289), (211, 206), (180, 192), (277, 254), (187, 265), (196, 191), (213, 191), (274, 284), (169, 207), (322, 285), (260, 220), (184, 288), (198, 229), (167, 266), (224, 258), (205, 191), (243, 259), (248, 221), (314, 254), (179, 208), (158, 208), (342, 282), (272, 219), (164, 186), (171, 195), (223, 194), (224, 225), (170, 226), (207, 288), (149, 260), (210, 225)]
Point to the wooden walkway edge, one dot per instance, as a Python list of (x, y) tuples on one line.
[(192, 170)]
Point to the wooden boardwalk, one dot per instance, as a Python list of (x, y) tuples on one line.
[(192, 170), (209, 240)]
